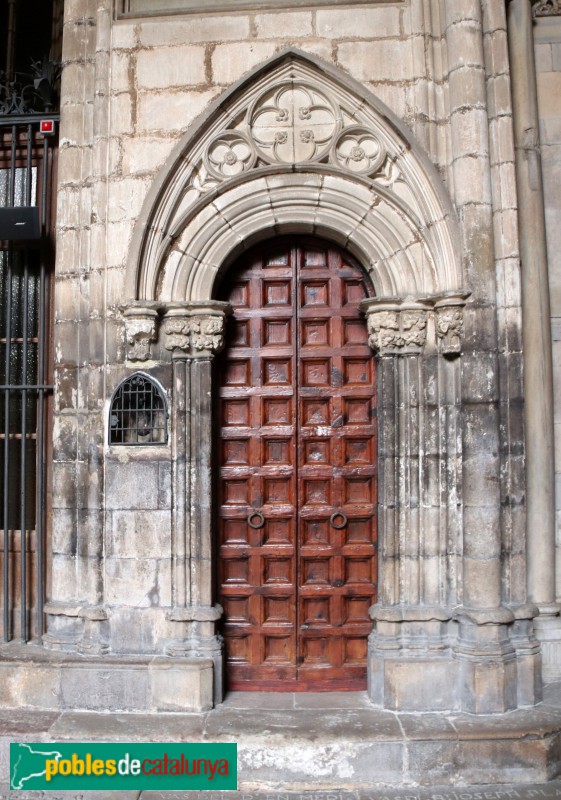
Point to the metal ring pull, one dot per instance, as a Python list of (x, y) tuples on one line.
[(334, 516), (260, 517)]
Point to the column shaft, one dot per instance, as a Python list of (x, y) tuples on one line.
[(536, 331)]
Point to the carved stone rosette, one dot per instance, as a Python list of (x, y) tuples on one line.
[(193, 330), (140, 329)]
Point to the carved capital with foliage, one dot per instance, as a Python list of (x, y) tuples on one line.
[(449, 328), (195, 330), (140, 329), (546, 8), (394, 329), (409, 326)]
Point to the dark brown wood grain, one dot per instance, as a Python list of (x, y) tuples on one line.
[(297, 427)]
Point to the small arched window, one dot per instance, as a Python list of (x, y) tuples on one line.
[(138, 412)]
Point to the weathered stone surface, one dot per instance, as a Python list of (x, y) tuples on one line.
[(181, 685), (451, 489), (170, 66)]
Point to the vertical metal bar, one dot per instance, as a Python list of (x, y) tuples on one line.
[(23, 477), (44, 186), (28, 166), (6, 514), (12, 183), (10, 40), (39, 509)]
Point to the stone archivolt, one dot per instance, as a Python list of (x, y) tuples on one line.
[(296, 147)]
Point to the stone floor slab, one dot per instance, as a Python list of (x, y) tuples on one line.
[(306, 744), (426, 726), (21, 721), (91, 726)]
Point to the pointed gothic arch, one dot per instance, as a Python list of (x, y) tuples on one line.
[(341, 166)]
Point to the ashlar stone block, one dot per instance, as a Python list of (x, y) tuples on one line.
[(142, 155), (171, 111), (197, 28), (275, 26), (140, 534), (170, 66), (231, 61), (389, 60), (182, 684), (361, 23)]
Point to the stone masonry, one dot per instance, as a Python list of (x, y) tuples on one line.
[(165, 176)]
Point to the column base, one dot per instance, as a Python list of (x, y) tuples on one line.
[(479, 662), (76, 629), (410, 664), (547, 627)]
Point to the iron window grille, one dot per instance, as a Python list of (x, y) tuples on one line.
[(138, 414), (27, 162)]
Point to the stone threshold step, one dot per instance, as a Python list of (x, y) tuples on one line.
[(532, 791), (351, 748)]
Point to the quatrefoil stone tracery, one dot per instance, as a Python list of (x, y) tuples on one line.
[(293, 123)]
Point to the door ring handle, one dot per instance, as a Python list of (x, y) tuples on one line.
[(261, 519), (340, 525)]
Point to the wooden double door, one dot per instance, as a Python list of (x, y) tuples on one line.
[(297, 476)]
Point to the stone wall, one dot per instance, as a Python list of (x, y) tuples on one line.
[(131, 90)]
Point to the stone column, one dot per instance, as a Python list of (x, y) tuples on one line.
[(194, 334), (410, 660), (536, 332)]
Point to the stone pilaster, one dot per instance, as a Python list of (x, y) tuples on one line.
[(194, 334), (76, 617), (417, 342)]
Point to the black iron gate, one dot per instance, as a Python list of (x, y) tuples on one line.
[(27, 157)]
